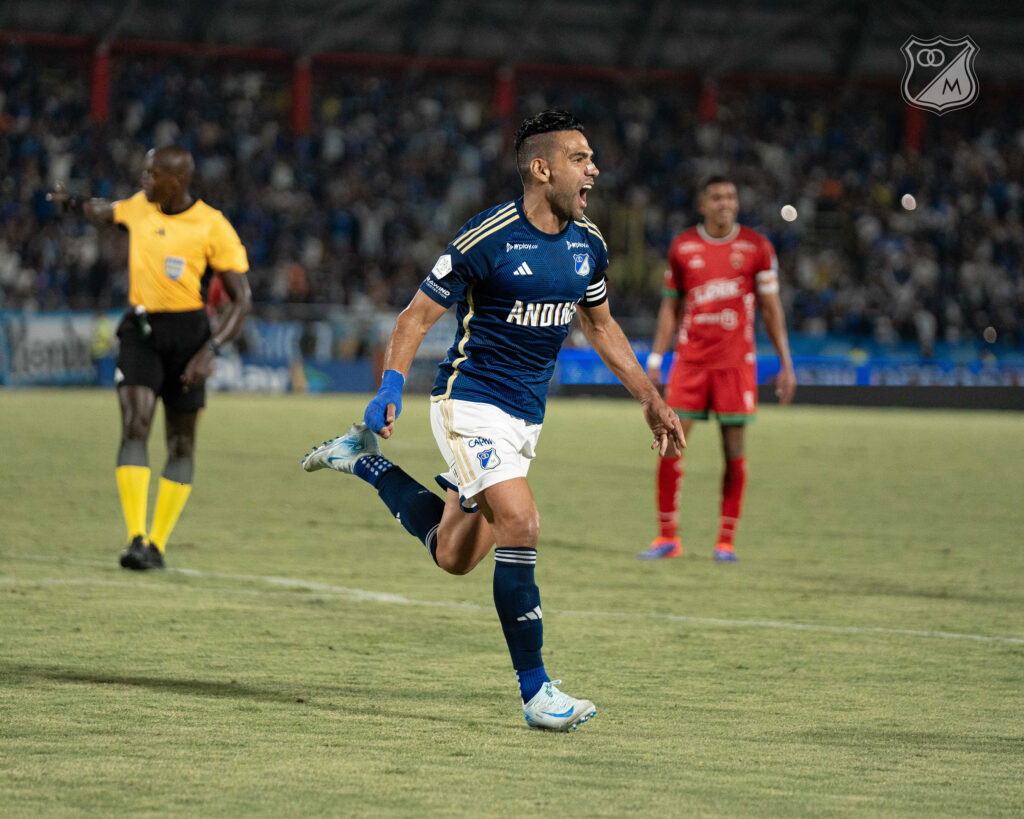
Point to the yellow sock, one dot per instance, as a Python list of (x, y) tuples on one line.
[(170, 500), (133, 485)]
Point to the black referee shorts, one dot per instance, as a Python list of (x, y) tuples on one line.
[(157, 358)]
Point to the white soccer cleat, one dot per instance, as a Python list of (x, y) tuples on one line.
[(554, 710), (342, 452)]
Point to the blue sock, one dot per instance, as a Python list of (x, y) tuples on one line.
[(371, 468), (517, 599), (417, 508), (530, 682)]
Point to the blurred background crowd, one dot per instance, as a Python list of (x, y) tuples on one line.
[(921, 245)]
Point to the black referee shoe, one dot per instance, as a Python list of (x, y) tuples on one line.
[(141, 555)]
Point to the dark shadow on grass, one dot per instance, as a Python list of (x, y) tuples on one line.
[(337, 699), (193, 687)]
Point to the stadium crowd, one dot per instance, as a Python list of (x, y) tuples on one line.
[(358, 210)]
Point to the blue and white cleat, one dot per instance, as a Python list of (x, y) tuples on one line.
[(554, 710), (341, 453)]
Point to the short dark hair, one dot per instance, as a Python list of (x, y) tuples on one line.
[(546, 122), (715, 179)]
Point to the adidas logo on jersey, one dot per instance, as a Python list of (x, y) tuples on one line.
[(523, 270)]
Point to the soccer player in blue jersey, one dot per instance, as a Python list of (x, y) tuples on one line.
[(516, 274)]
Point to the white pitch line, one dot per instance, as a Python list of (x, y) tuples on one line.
[(778, 624), (364, 595)]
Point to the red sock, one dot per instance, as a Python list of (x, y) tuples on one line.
[(734, 481), (670, 473)]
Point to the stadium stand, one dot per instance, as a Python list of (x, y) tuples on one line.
[(355, 210)]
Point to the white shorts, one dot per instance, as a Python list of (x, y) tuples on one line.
[(482, 444)]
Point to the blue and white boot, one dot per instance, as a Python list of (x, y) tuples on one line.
[(554, 710), (341, 453)]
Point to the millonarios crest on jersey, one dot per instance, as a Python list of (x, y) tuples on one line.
[(940, 74), (582, 263)]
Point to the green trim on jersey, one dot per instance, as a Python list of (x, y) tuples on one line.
[(695, 415), (669, 293)]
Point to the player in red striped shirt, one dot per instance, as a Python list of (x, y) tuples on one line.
[(717, 272)]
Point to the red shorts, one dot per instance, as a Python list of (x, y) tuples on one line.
[(732, 393)]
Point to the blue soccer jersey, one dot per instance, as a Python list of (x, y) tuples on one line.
[(515, 289)]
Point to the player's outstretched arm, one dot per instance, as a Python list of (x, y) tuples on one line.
[(606, 337), (410, 328), (98, 211), (775, 325)]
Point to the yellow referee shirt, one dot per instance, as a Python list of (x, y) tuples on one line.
[(168, 253)]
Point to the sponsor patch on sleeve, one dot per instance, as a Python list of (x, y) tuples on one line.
[(443, 266), (767, 281)]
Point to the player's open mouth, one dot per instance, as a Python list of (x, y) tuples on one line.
[(583, 194)]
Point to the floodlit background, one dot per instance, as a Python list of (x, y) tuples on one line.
[(348, 141)]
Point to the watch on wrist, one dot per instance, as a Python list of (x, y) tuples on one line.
[(213, 347)]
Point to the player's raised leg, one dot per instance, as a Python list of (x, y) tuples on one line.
[(734, 481), (358, 453), (138, 405), (464, 538), (456, 539)]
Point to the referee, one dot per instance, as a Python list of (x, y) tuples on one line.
[(166, 347)]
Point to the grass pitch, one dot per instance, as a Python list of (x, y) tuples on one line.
[(304, 656)]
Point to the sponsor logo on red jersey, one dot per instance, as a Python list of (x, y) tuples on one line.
[(717, 290), (727, 319)]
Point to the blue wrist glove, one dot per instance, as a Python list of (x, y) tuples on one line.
[(390, 392)]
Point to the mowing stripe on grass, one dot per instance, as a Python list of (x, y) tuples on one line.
[(364, 595)]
